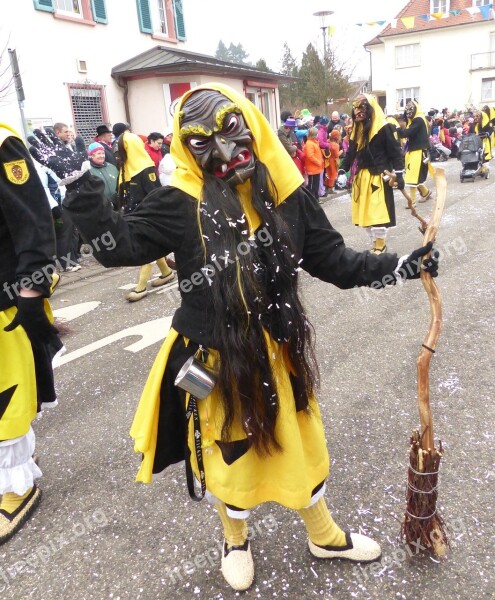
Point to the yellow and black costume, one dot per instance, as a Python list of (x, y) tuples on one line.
[(484, 128), (171, 219), (417, 154), (27, 247), (376, 149)]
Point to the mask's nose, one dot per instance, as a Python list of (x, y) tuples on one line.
[(222, 149)]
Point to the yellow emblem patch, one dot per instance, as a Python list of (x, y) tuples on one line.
[(16, 171), (152, 177)]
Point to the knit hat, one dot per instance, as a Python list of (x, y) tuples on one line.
[(324, 120), (119, 128), (94, 147), (290, 123)]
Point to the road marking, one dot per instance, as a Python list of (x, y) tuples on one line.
[(68, 313), (150, 332)]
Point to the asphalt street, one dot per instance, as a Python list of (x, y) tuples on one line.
[(99, 535)]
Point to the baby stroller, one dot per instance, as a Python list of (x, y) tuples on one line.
[(437, 154), (470, 154)]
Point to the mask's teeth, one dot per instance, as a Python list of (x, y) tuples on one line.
[(224, 168), (240, 156)]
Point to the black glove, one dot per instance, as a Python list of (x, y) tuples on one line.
[(66, 164), (32, 317), (411, 266), (56, 213), (399, 178)]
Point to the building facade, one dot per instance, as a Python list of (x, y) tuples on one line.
[(439, 52), (69, 53)]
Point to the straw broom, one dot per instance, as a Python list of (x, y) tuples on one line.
[(423, 528)]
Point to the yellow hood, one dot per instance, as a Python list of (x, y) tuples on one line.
[(268, 149), (378, 121), (6, 131), (137, 157), (419, 113)]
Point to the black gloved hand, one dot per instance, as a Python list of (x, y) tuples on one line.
[(56, 213), (32, 317), (399, 178), (65, 165), (411, 266)]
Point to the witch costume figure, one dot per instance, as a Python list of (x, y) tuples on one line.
[(376, 149), (417, 155), (241, 226)]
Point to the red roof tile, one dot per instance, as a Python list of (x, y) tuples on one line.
[(414, 8)]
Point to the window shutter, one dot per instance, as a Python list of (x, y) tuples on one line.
[(44, 5), (143, 7), (99, 11), (180, 28)]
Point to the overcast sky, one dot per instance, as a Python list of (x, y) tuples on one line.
[(262, 27)]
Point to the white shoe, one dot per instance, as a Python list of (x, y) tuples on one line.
[(359, 548), (73, 269), (238, 566)]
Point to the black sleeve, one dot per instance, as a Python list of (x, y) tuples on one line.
[(27, 218), (325, 254), (350, 156), (413, 130), (393, 149), (155, 228)]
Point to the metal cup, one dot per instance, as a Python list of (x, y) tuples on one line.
[(196, 378)]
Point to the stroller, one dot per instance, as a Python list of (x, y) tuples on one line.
[(437, 154), (471, 154)]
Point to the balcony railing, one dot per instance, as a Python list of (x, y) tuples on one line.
[(483, 60)]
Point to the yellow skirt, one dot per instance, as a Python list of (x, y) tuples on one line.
[(372, 201), (416, 169), (287, 477)]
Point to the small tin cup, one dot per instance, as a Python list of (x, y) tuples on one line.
[(195, 378)]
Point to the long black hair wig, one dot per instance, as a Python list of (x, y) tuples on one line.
[(253, 295)]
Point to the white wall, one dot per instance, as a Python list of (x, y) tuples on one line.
[(443, 76), (47, 50)]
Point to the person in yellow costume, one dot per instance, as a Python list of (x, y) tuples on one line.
[(241, 225), (417, 155), (484, 128), (375, 147), (28, 340), (137, 178)]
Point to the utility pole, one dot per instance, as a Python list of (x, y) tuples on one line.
[(322, 15), (18, 88)]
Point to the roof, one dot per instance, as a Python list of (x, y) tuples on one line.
[(162, 60), (417, 8)]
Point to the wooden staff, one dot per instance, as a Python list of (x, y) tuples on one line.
[(392, 181), (422, 523)]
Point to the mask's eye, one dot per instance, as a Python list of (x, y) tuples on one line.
[(198, 143), (231, 123)]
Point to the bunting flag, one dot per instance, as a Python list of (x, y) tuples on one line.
[(331, 30), (408, 22)]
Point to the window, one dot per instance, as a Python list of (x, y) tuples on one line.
[(439, 6), (69, 7), (263, 98), (88, 11), (488, 89), (482, 2), (407, 56), (88, 108), (406, 94), (159, 17)]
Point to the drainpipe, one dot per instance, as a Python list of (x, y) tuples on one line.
[(122, 83)]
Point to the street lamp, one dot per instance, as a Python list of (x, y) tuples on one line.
[(322, 15)]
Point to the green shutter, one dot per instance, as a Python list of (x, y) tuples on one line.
[(44, 5), (143, 8), (180, 28), (99, 11)]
